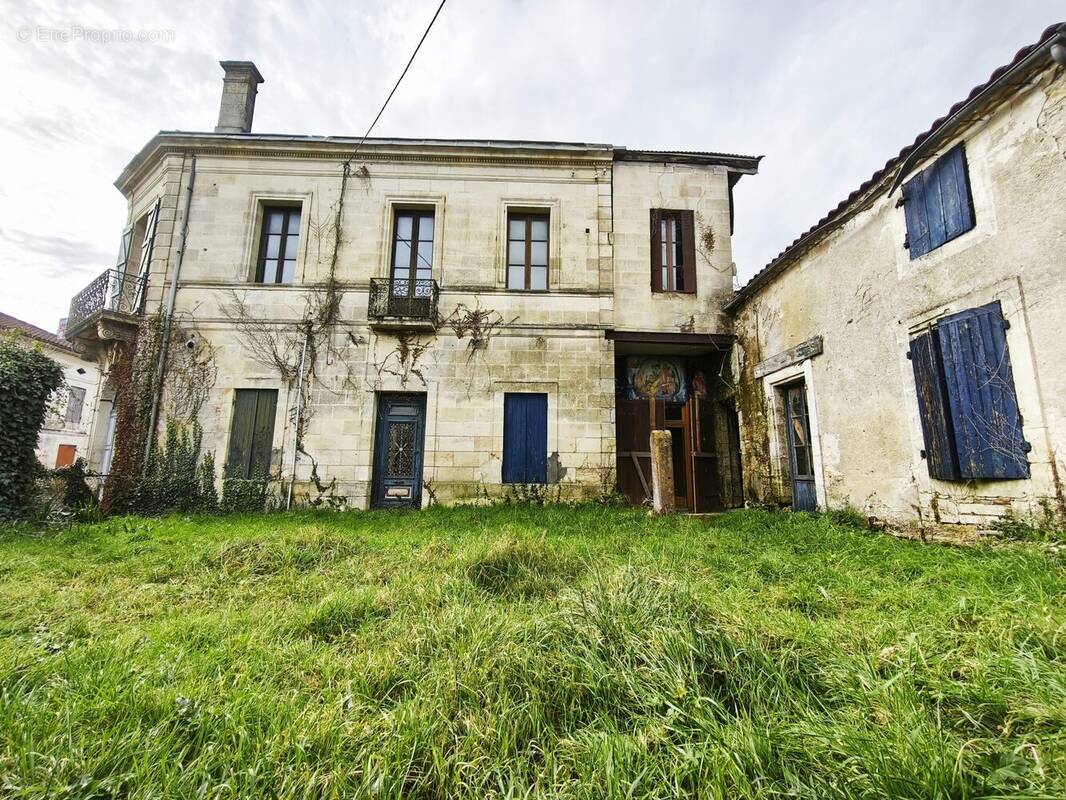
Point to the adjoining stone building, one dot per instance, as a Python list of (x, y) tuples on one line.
[(68, 427), (393, 321), (905, 355)]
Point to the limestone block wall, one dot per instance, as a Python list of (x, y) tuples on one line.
[(640, 187), (541, 342), (860, 291)]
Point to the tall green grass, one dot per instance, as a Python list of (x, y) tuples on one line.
[(526, 652)]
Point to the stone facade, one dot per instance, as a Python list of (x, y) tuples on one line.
[(857, 291), (551, 342)]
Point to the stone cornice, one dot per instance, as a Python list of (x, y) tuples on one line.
[(415, 152)]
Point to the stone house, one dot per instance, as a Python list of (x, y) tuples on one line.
[(904, 355), (390, 322), (68, 426)]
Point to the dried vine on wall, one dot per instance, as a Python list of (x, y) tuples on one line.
[(480, 324), (188, 376)]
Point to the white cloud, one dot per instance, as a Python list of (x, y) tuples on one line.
[(827, 91)]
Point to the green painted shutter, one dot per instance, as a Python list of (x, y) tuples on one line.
[(251, 433)]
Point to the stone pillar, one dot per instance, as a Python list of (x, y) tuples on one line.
[(662, 472), (239, 88)]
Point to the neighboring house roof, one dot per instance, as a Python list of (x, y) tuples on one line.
[(8, 322), (192, 140), (1029, 59)]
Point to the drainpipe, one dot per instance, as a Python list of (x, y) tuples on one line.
[(171, 300), (299, 409)]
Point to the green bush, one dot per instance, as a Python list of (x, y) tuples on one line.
[(76, 491), (27, 379), (241, 495), (172, 480)]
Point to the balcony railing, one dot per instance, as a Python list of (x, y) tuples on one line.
[(402, 299), (113, 291)]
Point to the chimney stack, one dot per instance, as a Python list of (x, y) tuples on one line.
[(238, 97)]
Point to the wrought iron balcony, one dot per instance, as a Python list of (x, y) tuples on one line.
[(403, 303), (113, 296)]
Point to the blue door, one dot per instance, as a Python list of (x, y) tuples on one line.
[(800, 453), (525, 438), (398, 443)]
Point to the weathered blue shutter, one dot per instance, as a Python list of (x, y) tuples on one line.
[(937, 204), (933, 408), (934, 208), (525, 438), (914, 211), (981, 394), (954, 193)]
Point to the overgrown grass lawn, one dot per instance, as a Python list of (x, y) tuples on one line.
[(514, 652)]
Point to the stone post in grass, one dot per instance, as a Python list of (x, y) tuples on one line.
[(662, 472)]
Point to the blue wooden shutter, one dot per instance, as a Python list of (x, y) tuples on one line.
[(914, 211), (937, 204), (981, 395), (954, 193), (525, 438), (933, 409)]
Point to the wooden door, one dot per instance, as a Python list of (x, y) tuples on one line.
[(800, 453), (706, 479), (525, 437), (398, 451), (633, 423), (676, 420), (65, 455)]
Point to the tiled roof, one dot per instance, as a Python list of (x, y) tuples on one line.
[(836, 214), (40, 334)]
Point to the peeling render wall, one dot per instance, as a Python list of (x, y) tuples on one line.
[(859, 290), (547, 342)]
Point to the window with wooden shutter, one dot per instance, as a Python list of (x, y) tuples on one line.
[(75, 404), (967, 400), (147, 246), (251, 433), (673, 251), (937, 204), (525, 438)]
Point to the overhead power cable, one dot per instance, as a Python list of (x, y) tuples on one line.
[(399, 80)]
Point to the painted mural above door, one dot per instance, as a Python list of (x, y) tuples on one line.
[(659, 377)]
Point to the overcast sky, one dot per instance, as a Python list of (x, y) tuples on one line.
[(827, 91)]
